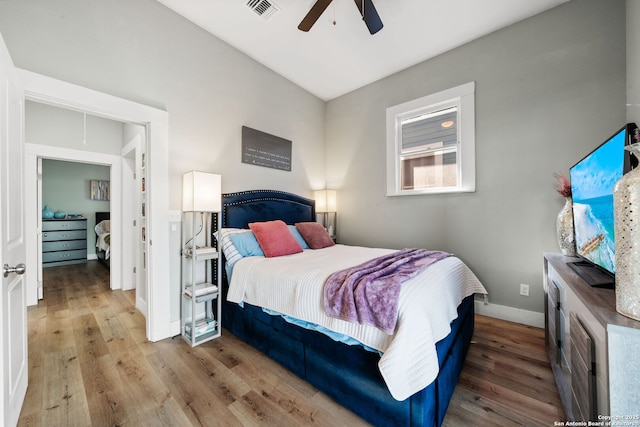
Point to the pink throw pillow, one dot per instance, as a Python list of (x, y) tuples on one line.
[(274, 238), (315, 235)]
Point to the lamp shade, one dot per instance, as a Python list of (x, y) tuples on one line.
[(332, 201), (201, 192), (326, 201)]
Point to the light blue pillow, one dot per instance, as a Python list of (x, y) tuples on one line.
[(246, 244), (296, 235), (226, 245)]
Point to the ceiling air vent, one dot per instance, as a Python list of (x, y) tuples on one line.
[(263, 8)]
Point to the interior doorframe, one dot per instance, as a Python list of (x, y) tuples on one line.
[(129, 212), (33, 153), (133, 266), (43, 89)]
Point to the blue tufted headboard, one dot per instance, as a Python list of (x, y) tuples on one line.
[(239, 209)]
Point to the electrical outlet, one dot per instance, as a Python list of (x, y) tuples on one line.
[(524, 290)]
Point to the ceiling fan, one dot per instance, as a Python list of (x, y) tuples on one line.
[(367, 11)]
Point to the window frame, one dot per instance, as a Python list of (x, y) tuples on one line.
[(463, 97)]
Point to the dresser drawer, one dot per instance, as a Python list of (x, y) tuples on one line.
[(80, 254), (64, 245), (62, 224), (52, 236)]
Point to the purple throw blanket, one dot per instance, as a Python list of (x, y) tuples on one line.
[(368, 293)]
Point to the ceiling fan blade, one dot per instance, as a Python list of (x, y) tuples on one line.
[(370, 16), (316, 10)]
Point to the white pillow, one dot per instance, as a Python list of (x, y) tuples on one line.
[(103, 227), (226, 245)]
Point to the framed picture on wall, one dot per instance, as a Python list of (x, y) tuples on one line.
[(99, 190)]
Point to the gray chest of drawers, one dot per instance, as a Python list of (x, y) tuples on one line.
[(64, 241)]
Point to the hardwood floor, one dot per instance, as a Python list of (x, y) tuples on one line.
[(90, 365), (506, 380)]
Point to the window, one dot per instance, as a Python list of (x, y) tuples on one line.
[(431, 144)]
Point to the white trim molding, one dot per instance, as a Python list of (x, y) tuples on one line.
[(33, 152), (43, 89), (463, 99), (517, 315)]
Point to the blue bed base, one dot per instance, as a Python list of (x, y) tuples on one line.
[(348, 374)]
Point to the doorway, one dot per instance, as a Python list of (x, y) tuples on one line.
[(82, 189), (34, 155), (67, 197), (68, 222), (134, 213), (54, 92)]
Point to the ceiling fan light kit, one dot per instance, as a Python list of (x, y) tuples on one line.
[(365, 7)]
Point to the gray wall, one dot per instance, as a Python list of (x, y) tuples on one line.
[(142, 51), (548, 90), (57, 127)]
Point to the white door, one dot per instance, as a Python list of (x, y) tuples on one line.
[(13, 294), (129, 224)]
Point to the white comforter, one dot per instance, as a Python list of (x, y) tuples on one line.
[(293, 285)]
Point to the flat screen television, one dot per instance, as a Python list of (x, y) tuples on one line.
[(592, 182)]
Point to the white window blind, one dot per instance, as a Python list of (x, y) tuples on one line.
[(428, 150)]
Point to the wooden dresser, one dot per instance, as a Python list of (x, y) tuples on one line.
[(64, 241), (592, 348)]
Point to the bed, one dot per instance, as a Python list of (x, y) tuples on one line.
[(350, 374), (103, 232)]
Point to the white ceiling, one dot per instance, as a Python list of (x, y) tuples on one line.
[(331, 60)]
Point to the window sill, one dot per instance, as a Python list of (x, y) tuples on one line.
[(432, 191)]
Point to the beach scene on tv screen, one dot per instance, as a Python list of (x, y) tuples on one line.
[(592, 183)]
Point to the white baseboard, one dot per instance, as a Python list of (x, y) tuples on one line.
[(526, 317), (174, 328), (141, 306)]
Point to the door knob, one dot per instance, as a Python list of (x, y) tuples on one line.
[(18, 269)]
